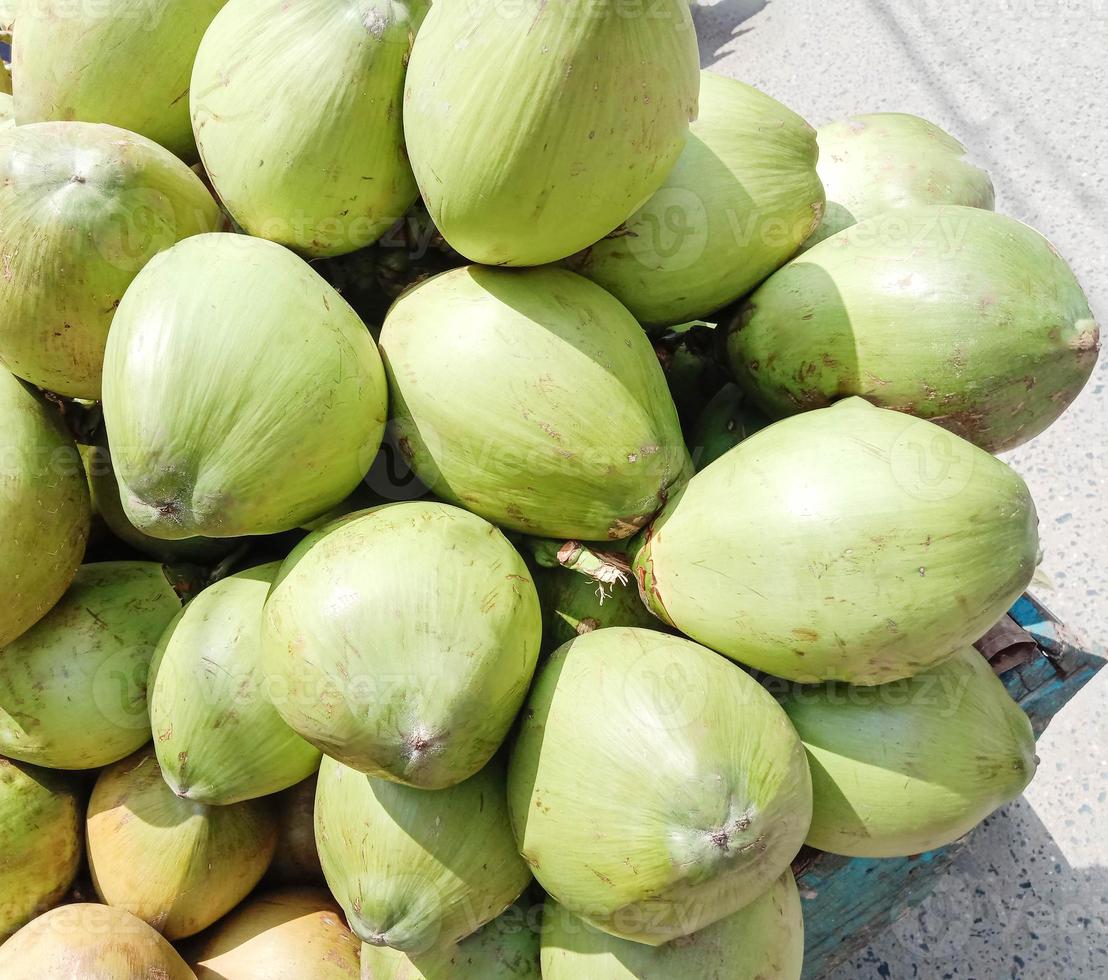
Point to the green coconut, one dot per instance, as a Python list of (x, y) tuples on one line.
[(726, 421), (7, 111), (242, 395), (869, 546), (176, 864), (109, 508), (40, 827), (297, 153), (761, 941), (957, 315), (560, 424), (85, 208), (44, 508), (289, 934), (402, 640), (127, 64), (506, 949), (655, 788), (874, 163), (738, 204), (690, 357), (73, 688), (414, 869), (86, 941), (535, 130), (296, 858), (574, 604), (218, 738), (910, 766)]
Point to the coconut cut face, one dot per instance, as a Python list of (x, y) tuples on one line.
[(85, 208), (44, 508), (655, 788), (67, 65), (402, 641), (880, 544), (242, 395), (73, 688), (86, 940), (735, 207), (533, 398), (176, 864), (596, 115), (957, 315), (219, 740), (908, 767), (40, 824), (414, 870), (297, 153), (764, 939), (884, 160)]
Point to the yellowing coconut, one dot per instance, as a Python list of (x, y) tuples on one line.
[(297, 114), (414, 869), (536, 128), (242, 395), (884, 160), (761, 941), (910, 766), (288, 934), (127, 63), (533, 398), (869, 546), (90, 942), (85, 208), (73, 688), (218, 738), (40, 827), (957, 315), (176, 864), (742, 197), (44, 508), (654, 787)]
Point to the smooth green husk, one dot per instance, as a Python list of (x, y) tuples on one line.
[(885, 160), (297, 153), (727, 420), (44, 508), (413, 869), (218, 738), (73, 688), (288, 934), (654, 787), (505, 949), (127, 64), (740, 200), (560, 424), (7, 111), (106, 504), (40, 827), (868, 546), (574, 604), (176, 864), (85, 940), (907, 767), (402, 640), (242, 395), (535, 129), (954, 314), (761, 941), (85, 208)]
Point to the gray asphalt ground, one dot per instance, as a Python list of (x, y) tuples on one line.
[(1024, 84)]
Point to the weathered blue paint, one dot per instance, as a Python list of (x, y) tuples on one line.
[(849, 901)]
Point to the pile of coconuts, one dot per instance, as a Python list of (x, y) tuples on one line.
[(478, 494)]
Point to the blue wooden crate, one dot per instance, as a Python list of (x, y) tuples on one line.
[(849, 901)]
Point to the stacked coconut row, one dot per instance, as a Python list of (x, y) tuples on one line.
[(422, 724)]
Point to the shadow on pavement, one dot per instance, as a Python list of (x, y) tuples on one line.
[(719, 23)]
